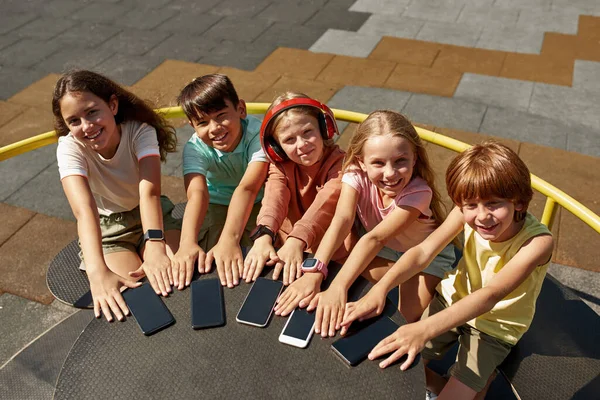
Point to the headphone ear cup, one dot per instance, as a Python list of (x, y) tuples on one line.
[(332, 130), (323, 126), (275, 151)]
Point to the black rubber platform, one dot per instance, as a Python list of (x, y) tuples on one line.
[(234, 361), (32, 374)]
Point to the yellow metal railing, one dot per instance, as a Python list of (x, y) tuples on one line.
[(554, 195)]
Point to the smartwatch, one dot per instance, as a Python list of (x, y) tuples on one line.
[(261, 230), (314, 265), (153, 235)]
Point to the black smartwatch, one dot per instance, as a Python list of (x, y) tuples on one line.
[(153, 235), (261, 230)]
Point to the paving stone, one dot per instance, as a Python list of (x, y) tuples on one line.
[(523, 4), (163, 84), (237, 29), (74, 57), (286, 35), (135, 42), (433, 10), (174, 188), (566, 104), (359, 71), (485, 16), (175, 160), (102, 12), (195, 6), (587, 75), (509, 93), (444, 112), (17, 171), (589, 27), (526, 127), (13, 80), (547, 69), (23, 264), (127, 69), (9, 111), (27, 52), (183, 47), (87, 34), (367, 100), (450, 33), (406, 51), (193, 22), (61, 8), (25, 320), (333, 16), (11, 20), (13, 219), (345, 43), (585, 283), (437, 81), (144, 19), (388, 7), (580, 6), (556, 21), (22, 6), (240, 8), (391, 25), (38, 94), (8, 39), (569, 47), (290, 12), (31, 122), (239, 54), (466, 59), (319, 90), (44, 28), (247, 84), (295, 63), (583, 140), (510, 39)]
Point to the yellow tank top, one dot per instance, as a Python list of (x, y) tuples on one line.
[(482, 260)]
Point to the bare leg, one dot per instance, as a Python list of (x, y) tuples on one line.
[(481, 395), (377, 269), (455, 389), (123, 262), (172, 242), (416, 294), (435, 382)]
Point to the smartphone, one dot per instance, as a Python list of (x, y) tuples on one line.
[(356, 347), (299, 328), (208, 309), (259, 302), (148, 309)]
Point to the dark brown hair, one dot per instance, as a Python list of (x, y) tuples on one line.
[(207, 94), (131, 107)]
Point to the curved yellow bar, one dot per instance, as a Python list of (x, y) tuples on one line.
[(555, 195)]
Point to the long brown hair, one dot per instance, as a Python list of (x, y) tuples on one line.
[(387, 122), (131, 107)]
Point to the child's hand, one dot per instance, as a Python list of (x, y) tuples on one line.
[(369, 306), (261, 254), (299, 293), (105, 287), (330, 310), (157, 267), (182, 264), (230, 262), (408, 339), (291, 255)]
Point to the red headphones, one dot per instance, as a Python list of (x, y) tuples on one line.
[(327, 125)]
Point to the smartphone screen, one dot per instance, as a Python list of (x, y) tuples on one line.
[(208, 309), (258, 306), (299, 328), (356, 347), (148, 309)]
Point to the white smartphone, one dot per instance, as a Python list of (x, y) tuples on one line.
[(299, 328), (259, 302)]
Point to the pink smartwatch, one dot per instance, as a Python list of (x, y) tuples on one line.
[(314, 265)]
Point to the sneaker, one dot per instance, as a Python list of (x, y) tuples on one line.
[(430, 395)]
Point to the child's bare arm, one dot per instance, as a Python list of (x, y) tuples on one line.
[(227, 253)]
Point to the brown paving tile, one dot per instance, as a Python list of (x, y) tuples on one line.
[(556, 70), (37, 94), (346, 135), (295, 63), (346, 70), (163, 84), (13, 219), (31, 122), (9, 111), (23, 263), (467, 59), (436, 81), (173, 188), (406, 51), (569, 47), (249, 85), (322, 91), (578, 245), (589, 27)]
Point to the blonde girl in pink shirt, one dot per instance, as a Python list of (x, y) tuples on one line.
[(388, 193)]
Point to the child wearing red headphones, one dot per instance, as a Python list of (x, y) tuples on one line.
[(302, 188)]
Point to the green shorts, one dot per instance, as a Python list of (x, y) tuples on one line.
[(478, 353), (123, 231), (213, 224)]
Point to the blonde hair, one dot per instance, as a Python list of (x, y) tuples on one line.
[(387, 122), (486, 170)]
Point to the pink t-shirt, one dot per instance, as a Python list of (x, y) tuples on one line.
[(370, 209)]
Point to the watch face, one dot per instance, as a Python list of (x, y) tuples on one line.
[(309, 263), (155, 234)]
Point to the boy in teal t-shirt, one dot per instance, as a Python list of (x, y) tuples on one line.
[(224, 170)]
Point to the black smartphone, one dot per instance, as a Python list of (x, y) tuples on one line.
[(208, 309), (148, 309), (259, 302), (356, 347), (299, 328)]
